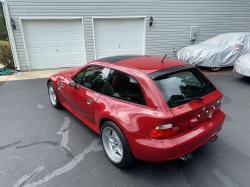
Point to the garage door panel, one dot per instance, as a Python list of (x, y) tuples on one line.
[(47, 38), (39, 64), (112, 22), (33, 38), (61, 37), (77, 61), (125, 46), (113, 34), (75, 37), (36, 50), (46, 25), (124, 34), (137, 34), (118, 36), (113, 47), (76, 49), (51, 62), (101, 47), (60, 24), (49, 50), (101, 35), (31, 25), (54, 43), (62, 50), (136, 45), (65, 62), (74, 25)]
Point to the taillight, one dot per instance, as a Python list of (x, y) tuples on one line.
[(164, 131)]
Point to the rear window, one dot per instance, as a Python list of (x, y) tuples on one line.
[(182, 85)]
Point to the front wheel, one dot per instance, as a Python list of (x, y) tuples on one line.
[(214, 69), (116, 145), (53, 96)]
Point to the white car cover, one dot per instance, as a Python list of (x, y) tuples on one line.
[(219, 51), (242, 65)]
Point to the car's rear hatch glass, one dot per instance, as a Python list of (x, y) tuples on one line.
[(191, 97), (177, 88)]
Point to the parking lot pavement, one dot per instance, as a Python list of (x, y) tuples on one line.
[(42, 146)]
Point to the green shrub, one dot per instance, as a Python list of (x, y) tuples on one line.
[(6, 58)]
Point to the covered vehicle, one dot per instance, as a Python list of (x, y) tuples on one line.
[(242, 65), (217, 52)]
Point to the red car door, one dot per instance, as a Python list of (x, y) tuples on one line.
[(83, 96)]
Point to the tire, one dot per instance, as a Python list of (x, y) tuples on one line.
[(53, 96), (214, 69), (116, 145)]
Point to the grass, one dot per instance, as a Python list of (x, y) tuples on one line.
[(4, 42)]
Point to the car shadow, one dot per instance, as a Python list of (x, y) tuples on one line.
[(210, 165)]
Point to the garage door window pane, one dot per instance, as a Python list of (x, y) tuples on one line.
[(124, 87)]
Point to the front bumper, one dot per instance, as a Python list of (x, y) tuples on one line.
[(159, 150)]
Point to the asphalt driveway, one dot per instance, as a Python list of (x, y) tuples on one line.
[(42, 146)]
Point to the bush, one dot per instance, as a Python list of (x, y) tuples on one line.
[(6, 58)]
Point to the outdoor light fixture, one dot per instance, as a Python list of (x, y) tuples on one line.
[(13, 23), (151, 21)]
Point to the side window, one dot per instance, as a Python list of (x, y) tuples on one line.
[(94, 78), (79, 76), (122, 86)]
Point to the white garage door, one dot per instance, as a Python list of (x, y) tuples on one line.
[(119, 37), (54, 43)]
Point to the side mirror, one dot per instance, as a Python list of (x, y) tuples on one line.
[(72, 83)]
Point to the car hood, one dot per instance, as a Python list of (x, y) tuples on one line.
[(69, 72)]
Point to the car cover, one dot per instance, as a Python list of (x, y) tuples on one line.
[(242, 65), (220, 51)]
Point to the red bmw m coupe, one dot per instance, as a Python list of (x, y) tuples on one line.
[(144, 107)]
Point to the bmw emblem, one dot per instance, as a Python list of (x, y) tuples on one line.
[(204, 108)]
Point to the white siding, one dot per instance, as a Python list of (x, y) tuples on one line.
[(172, 19)]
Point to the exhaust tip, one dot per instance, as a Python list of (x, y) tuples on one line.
[(186, 157), (213, 139)]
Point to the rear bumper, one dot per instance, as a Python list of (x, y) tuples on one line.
[(159, 150)]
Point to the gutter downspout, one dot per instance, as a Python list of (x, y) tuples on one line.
[(10, 33)]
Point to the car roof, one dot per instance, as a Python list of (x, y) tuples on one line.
[(145, 63)]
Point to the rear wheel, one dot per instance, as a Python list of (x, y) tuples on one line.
[(214, 69), (53, 96), (116, 145)]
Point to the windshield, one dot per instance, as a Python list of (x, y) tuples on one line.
[(183, 85)]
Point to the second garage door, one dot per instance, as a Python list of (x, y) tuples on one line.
[(119, 36), (54, 43)]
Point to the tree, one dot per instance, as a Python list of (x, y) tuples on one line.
[(3, 29)]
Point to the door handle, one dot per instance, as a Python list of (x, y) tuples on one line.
[(89, 101)]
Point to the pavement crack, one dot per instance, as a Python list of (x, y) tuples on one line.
[(21, 182), (9, 145), (93, 147), (36, 143), (65, 137)]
